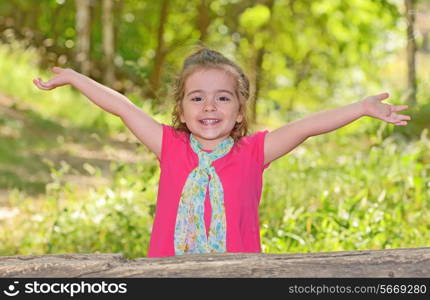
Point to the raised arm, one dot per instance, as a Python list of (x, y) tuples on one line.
[(284, 139), (143, 126)]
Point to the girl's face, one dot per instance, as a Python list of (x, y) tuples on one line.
[(210, 106)]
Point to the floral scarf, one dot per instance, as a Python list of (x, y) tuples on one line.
[(190, 233)]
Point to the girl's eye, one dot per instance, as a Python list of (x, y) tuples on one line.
[(196, 99), (222, 98)]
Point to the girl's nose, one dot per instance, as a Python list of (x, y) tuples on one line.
[(209, 105)]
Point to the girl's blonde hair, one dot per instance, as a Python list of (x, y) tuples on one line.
[(205, 58)]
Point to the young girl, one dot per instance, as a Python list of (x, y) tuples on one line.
[(211, 170)]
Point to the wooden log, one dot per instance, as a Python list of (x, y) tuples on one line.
[(343, 264)]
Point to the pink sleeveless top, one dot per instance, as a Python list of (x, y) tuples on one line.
[(241, 174)]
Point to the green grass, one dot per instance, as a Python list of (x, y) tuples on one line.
[(365, 186)]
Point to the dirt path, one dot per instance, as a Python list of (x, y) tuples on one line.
[(30, 144)]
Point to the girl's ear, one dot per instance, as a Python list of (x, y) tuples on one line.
[(239, 118), (181, 112)]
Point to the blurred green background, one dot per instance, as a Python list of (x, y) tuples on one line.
[(74, 180)]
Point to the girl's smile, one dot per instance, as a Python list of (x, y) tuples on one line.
[(210, 122), (210, 106)]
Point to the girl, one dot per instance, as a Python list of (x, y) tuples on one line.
[(211, 170)]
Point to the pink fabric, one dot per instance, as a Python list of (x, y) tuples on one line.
[(241, 174)]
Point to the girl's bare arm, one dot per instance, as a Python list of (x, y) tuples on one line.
[(284, 139), (143, 126)]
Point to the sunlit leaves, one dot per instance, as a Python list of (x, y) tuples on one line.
[(254, 17)]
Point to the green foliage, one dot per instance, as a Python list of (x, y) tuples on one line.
[(114, 219), (360, 197), (64, 103), (254, 18), (421, 121)]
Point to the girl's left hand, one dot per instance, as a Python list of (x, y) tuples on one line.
[(373, 107)]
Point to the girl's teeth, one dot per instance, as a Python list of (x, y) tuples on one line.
[(209, 121)]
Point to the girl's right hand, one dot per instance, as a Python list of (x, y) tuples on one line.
[(62, 77)]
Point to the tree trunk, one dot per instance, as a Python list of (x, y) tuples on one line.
[(160, 53), (33, 18), (83, 36), (389, 263), (426, 42), (108, 43), (302, 73), (257, 83), (411, 52), (258, 66), (54, 34), (203, 19), (18, 15), (423, 24)]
